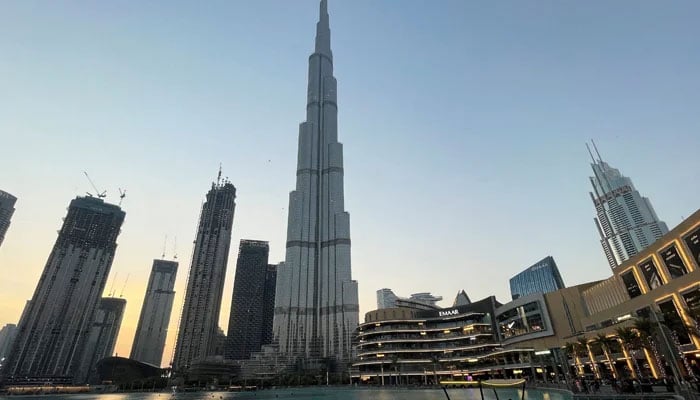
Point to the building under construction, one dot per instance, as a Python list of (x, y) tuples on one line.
[(197, 334), (102, 337), (152, 328), (52, 333), (7, 208)]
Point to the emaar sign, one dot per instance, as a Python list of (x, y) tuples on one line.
[(447, 313)]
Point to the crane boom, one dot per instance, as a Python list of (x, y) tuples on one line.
[(99, 194)]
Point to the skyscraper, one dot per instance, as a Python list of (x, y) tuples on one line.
[(316, 304), (53, 330), (626, 221), (542, 277), (152, 328), (102, 337), (197, 334), (7, 336), (7, 208), (252, 303)]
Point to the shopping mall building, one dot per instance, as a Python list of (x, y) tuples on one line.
[(412, 346), (582, 330)]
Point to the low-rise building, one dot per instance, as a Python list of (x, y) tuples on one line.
[(416, 346)]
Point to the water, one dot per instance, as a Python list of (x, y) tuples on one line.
[(324, 394)]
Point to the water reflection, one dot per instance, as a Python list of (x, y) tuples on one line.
[(328, 394)]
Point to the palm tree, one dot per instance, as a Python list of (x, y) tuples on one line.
[(645, 329), (604, 343), (571, 348), (585, 351), (629, 342)]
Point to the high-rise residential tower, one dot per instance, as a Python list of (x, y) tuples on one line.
[(7, 337), (252, 303), (152, 328), (52, 333), (316, 303), (197, 334), (7, 208), (542, 277), (626, 221), (102, 337)]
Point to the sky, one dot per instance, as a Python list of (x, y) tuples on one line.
[(463, 126)]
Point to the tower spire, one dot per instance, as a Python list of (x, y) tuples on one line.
[(323, 30)]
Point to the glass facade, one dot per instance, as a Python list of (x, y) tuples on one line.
[(252, 301), (693, 243), (543, 277), (651, 274), (674, 263), (521, 320), (435, 345), (631, 284), (674, 322)]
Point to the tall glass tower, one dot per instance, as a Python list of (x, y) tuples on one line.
[(626, 221), (542, 277), (253, 301), (316, 302)]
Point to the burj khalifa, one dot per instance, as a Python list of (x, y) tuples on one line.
[(316, 302)]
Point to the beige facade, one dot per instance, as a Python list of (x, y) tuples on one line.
[(661, 283)]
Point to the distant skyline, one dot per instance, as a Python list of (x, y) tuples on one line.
[(463, 127)]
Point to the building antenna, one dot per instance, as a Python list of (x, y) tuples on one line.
[(165, 242), (590, 153), (111, 290), (121, 294), (218, 178), (99, 194), (596, 151), (175, 248)]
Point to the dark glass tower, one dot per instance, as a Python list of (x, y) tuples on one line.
[(253, 301), (543, 277), (52, 333), (197, 334), (7, 208), (152, 329)]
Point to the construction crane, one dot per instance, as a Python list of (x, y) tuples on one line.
[(99, 194), (122, 194), (121, 294)]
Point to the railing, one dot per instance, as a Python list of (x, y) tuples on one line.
[(607, 393), (634, 396)]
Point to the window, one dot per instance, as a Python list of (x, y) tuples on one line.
[(674, 263), (692, 301), (651, 274), (644, 312), (631, 284), (693, 243), (673, 321), (521, 320)]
